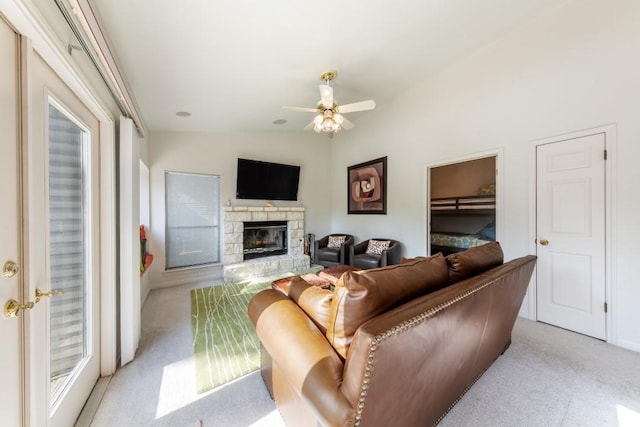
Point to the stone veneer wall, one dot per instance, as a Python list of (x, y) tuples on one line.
[(235, 268)]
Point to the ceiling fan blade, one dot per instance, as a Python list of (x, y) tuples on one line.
[(357, 106), (309, 126), (326, 96), (303, 109), (347, 124)]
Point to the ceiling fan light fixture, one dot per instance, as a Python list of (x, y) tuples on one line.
[(328, 114), (328, 125)]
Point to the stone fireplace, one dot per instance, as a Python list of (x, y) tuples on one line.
[(290, 257)]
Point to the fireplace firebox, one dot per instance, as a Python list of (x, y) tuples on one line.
[(264, 238)]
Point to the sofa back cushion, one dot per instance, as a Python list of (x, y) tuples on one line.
[(404, 260), (315, 301), (360, 296), (473, 261)]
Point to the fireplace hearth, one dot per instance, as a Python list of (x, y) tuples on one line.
[(264, 238)]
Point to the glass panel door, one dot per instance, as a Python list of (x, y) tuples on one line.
[(62, 249), (68, 248)]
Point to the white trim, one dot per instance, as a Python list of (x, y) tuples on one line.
[(209, 274), (83, 12), (29, 22), (530, 298), (629, 345), (129, 255), (498, 153), (108, 336), (610, 133)]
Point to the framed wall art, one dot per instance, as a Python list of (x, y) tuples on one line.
[(367, 187)]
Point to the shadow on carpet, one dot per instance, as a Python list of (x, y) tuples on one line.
[(225, 345)]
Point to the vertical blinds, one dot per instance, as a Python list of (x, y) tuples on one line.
[(192, 219), (68, 243)]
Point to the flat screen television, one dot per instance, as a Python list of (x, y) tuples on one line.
[(260, 180)]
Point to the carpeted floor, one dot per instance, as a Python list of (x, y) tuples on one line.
[(552, 377), (158, 388), (548, 377)]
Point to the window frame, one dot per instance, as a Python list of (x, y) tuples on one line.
[(217, 222)]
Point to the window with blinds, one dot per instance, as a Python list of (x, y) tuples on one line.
[(68, 244), (192, 235)]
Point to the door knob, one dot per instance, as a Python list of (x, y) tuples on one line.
[(12, 307), (544, 242), (9, 269), (51, 293)]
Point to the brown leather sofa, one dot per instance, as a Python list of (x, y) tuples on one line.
[(397, 346)]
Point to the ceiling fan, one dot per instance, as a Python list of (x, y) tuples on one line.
[(329, 116)]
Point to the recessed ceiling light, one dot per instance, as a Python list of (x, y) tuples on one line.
[(183, 114), (279, 122)]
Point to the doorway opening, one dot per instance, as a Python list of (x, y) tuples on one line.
[(462, 203)]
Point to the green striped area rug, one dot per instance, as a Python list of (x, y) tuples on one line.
[(225, 345)]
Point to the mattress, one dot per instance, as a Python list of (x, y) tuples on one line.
[(458, 240)]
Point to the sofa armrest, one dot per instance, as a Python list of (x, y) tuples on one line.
[(391, 256), (360, 248), (345, 250), (301, 351), (317, 244), (321, 243)]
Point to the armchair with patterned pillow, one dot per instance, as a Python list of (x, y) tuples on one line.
[(332, 249), (374, 253)]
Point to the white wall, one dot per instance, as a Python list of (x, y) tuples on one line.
[(217, 154), (145, 219), (577, 68), (462, 178), (143, 143)]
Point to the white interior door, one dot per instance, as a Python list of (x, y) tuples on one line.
[(10, 289), (571, 234), (62, 240)]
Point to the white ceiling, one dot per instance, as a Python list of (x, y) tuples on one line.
[(234, 64)]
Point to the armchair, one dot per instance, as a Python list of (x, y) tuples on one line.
[(362, 256), (336, 253)]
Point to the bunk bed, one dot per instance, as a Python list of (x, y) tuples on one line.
[(459, 223)]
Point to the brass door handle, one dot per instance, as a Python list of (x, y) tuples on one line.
[(12, 307), (544, 242), (51, 293)]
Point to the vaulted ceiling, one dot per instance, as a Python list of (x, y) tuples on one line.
[(234, 64)]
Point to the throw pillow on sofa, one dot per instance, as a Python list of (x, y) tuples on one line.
[(474, 261), (336, 241), (361, 296)]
